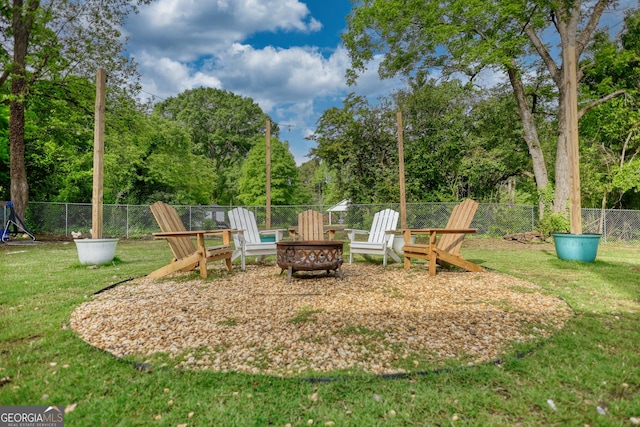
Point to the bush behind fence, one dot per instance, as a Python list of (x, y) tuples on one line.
[(491, 220)]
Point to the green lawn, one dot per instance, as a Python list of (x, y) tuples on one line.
[(589, 372)]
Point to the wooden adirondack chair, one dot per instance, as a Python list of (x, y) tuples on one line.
[(187, 256), (446, 250), (247, 240), (379, 241), (310, 227)]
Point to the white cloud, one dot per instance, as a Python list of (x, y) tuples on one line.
[(190, 29), (181, 44), (165, 77), (185, 44), (280, 75), (369, 83)]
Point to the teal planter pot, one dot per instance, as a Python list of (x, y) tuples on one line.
[(576, 247), (268, 239)]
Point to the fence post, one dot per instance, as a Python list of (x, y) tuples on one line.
[(533, 218), (66, 219), (604, 225), (127, 223)]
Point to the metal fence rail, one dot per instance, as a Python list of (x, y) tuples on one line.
[(492, 220)]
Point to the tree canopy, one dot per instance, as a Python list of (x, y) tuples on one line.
[(359, 141), (56, 40), (286, 188), (468, 37), (461, 139), (223, 126)]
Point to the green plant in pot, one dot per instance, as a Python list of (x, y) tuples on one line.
[(553, 223)]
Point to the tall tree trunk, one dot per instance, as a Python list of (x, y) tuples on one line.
[(562, 189), (530, 136), (19, 185), (568, 19), (22, 22)]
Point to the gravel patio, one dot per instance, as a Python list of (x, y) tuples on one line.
[(376, 320)]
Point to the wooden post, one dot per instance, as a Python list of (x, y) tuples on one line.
[(98, 156), (268, 220), (572, 142), (403, 200)]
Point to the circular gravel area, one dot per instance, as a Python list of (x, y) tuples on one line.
[(375, 320)]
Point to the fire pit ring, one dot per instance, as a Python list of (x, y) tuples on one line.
[(310, 256)]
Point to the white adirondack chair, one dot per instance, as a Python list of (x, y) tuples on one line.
[(247, 240), (380, 240)]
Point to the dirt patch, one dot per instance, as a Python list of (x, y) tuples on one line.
[(374, 320)]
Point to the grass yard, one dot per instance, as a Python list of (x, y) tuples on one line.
[(586, 374)]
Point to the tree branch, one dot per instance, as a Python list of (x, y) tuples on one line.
[(594, 19), (625, 145), (4, 76), (600, 101), (544, 54)]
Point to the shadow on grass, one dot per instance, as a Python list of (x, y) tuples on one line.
[(601, 282)]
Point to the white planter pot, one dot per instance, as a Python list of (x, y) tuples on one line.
[(398, 243), (96, 251)]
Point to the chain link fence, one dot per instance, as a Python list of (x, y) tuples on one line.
[(492, 220)]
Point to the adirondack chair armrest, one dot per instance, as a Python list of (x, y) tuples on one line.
[(239, 239), (331, 232), (353, 233), (389, 236), (414, 231), (272, 231), (278, 232), (165, 234), (199, 234), (293, 231), (433, 232), (355, 230)]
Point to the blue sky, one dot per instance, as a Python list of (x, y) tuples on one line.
[(284, 54)]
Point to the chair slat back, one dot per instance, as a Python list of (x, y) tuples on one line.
[(244, 219), (168, 220), (460, 218), (310, 225), (383, 221)]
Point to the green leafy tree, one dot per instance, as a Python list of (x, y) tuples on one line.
[(469, 36), (611, 132), (495, 163), (53, 40), (319, 180), (359, 145), (140, 151), (59, 141), (223, 126), (457, 144), (286, 188), (435, 138), (150, 158)]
